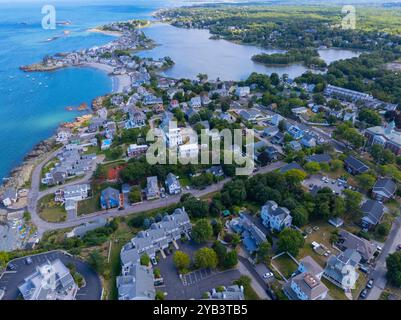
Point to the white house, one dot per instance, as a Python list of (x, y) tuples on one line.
[(243, 91), (188, 151), (172, 184), (275, 217)]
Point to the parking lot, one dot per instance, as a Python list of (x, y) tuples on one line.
[(193, 284), (316, 180), (11, 279)]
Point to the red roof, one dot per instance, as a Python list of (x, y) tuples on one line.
[(114, 173)]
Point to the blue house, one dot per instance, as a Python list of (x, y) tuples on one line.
[(295, 132), (110, 198)]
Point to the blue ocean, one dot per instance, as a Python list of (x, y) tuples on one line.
[(33, 105)]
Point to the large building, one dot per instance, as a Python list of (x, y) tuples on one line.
[(386, 137), (275, 217), (50, 281), (136, 282)]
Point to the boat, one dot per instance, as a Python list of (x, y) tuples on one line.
[(69, 108)]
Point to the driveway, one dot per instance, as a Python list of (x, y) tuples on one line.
[(10, 280), (380, 270)]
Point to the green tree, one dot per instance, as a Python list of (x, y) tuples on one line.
[(206, 258), (336, 165), (135, 195), (202, 231), (96, 261), (145, 260), (159, 295), (263, 253), (312, 167), (290, 240), (231, 259), (353, 201), (300, 216), (294, 176), (383, 229), (181, 260), (4, 258), (221, 251), (365, 181), (393, 263)]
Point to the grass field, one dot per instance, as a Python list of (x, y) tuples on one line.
[(285, 265), (51, 211)]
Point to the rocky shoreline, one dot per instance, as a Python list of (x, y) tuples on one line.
[(21, 175)]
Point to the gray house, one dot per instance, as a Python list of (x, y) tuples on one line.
[(152, 189), (172, 184), (137, 284), (373, 212), (384, 189), (341, 269), (275, 217)]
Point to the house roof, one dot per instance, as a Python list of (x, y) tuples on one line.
[(319, 158), (364, 247), (291, 166), (311, 265), (137, 284), (111, 193), (373, 211), (310, 285), (356, 164), (385, 186)]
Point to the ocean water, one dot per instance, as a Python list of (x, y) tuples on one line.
[(32, 105)]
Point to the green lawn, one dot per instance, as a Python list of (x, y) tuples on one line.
[(90, 205), (51, 211), (285, 264), (335, 292)]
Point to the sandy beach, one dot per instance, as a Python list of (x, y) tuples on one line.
[(108, 33), (120, 82)]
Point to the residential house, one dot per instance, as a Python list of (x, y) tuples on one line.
[(298, 111), (196, 102), (305, 286), (275, 217), (291, 166), (295, 145), (373, 212), (137, 119), (188, 151), (251, 235), (217, 171), (136, 284), (308, 141), (295, 132), (152, 189), (106, 144), (110, 198), (242, 91), (308, 264), (276, 119), (270, 132), (76, 192), (386, 137), (341, 270), (173, 186), (135, 150), (233, 292), (278, 138), (364, 247), (355, 166), (83, 229), (36, 286), (9, 197), (174, 104), (384, 189), (319, 158)]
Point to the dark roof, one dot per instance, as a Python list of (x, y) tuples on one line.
[(356, 164), (290, 166), (386, 186), (373, 210), (318, 158)]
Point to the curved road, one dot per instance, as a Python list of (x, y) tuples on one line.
[(35, 195)]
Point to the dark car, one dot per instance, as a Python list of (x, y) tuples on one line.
[(399, 247), (364, 294), (11, 266)]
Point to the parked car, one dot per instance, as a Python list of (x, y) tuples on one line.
[(364, 269), (369, 285), (268, 275), (11, 266), (399, 247), (28, 260), (363, 294), (153, 260)]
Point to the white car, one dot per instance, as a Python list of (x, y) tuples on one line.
[(268, 275)]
